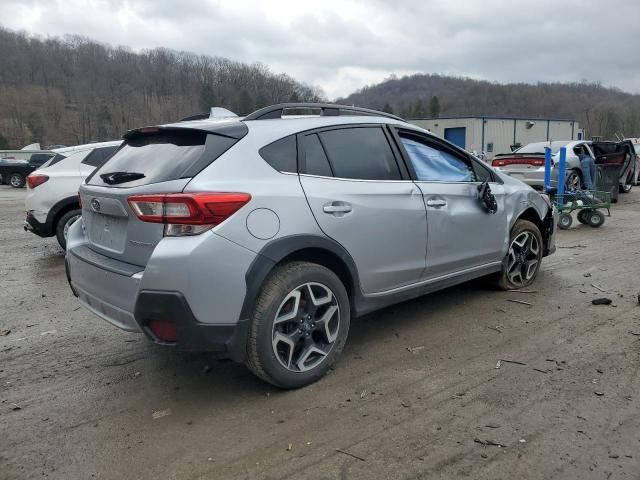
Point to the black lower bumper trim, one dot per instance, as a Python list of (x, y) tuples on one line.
[(191, 335), (34, 226)]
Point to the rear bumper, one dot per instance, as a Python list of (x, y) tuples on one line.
[(108, 294), (31, 224), (201, 294)]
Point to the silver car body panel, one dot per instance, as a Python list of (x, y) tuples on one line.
[(461, 233), (381, 224)]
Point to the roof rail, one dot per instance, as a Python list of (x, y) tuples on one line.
[(326, 110)]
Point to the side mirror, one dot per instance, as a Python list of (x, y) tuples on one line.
[(487, 198)]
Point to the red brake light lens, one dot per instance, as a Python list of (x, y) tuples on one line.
[(34, 180), (208, 209), (164, 330), (536, 162)]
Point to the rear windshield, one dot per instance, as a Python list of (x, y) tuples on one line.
[(159, 157)]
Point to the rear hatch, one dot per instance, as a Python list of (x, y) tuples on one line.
[(152, 160)]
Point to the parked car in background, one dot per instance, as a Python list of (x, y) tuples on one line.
[(261, 237), (14, 172), (527, 162), (52, 197)]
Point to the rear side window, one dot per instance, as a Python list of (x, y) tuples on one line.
[(315, 160), (58, 158), (360, 153), (159, 157), (99, 155), (281, 154)]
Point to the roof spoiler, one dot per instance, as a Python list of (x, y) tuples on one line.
[(215, 112)]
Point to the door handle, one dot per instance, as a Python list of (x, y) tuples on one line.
[(336, 208), (436, 203)]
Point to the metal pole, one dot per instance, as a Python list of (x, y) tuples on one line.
[(547, 169), (562, 169)]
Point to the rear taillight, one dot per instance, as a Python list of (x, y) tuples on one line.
[(187, 213), (536, 162), (34, 180)]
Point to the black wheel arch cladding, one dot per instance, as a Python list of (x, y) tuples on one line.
[(305, 248)]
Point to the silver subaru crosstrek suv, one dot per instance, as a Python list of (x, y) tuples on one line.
[(261, 237)]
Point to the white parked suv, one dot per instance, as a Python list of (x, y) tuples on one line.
[(52, 197)]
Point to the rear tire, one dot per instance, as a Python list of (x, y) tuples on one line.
[(299, 325), (574, 181), (522, 263), (16, 180), (63, 225)]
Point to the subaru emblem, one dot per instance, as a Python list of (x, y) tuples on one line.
[(95, 204)]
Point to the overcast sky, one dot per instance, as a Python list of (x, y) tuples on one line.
[(342, 45)]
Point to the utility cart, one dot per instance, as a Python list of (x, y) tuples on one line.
[(587, 203)]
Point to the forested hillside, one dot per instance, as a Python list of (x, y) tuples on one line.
[(73, 90), (602, 111)]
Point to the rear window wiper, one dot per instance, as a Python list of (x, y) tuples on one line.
[(114, 178)]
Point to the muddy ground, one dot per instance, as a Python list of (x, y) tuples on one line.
[(415, 395)]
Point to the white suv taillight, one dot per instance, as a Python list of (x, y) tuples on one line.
[(187, 213)]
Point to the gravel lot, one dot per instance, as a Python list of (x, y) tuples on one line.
[(415, 395)]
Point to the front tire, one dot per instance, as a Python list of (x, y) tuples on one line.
[(299, 325), (522, 263), (16, 180), (62, 228)]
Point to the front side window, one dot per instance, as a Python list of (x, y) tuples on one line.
[(434, 164), (360, 153)]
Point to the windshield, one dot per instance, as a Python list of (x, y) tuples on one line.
[(540, 146)]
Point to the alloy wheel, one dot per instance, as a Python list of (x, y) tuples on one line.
[(306, 327), (573, 182), (71, 221), (15, 181), (523, 260)]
